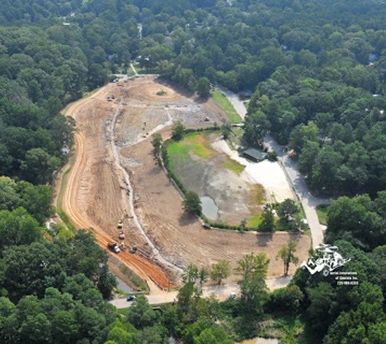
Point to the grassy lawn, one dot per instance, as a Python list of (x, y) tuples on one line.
[(254, 221), (233, 165), (224, 103), (322, 213), (198, 143), (179, 153)]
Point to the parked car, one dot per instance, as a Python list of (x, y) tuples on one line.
[(114, 247), (130, 298)]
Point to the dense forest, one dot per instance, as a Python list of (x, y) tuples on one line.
[(317, 69), (317, 73)]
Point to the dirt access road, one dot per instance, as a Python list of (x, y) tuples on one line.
[(97, 194)]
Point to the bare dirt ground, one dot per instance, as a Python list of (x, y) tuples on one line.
[(96, 194), (181, 238), (93, 195)]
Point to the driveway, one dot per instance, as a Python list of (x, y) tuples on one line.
[(308, 201)]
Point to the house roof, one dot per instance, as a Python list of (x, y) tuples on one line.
[(255, 154)]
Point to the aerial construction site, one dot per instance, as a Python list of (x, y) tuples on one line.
[(116, 189)]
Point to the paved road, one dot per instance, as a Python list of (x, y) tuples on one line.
[(308, 201), (234, 99), (220, 292)]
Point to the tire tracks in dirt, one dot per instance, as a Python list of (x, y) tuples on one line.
[(147, 270), (117, 162)]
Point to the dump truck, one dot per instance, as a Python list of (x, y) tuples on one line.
[(114, 247)]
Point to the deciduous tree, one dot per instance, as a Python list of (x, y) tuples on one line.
[(178, 130), (203, 87), (287, 255), (192, 203), (220, 271)]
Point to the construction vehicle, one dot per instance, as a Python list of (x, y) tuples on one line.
[(133, 249), (207, 226), (122, 246), (114, 247)]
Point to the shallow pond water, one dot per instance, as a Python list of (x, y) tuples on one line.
[(209, 208)]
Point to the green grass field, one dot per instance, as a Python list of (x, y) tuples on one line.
[(322, 213), (200, 144), (179, 151), (197, 143), (254, 221), (224, 103), (233, 165)]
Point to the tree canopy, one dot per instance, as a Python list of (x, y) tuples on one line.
[(316, 70)]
